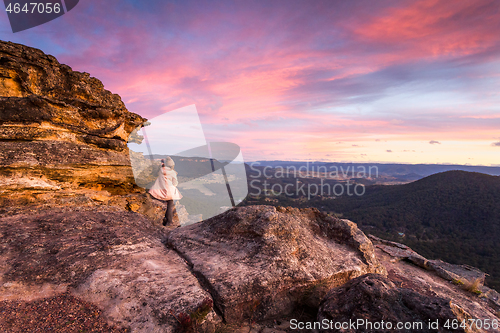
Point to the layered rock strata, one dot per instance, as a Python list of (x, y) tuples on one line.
[(62, 135)]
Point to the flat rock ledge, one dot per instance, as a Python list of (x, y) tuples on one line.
[(114, 260), (458, 274)]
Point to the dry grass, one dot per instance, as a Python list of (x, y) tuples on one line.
[(472, 286)]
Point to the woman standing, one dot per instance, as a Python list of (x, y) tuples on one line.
[(165, 188)]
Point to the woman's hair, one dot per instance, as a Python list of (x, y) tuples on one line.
[(170, 163)]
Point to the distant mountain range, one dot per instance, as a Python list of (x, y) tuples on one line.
[(408, 172), (454, 216)]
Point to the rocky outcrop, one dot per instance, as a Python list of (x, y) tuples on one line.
[(477, 301), (62, 135), (250, 263), (63, 140), (443, 269), (75, 229), (466, 277), (261, 262)]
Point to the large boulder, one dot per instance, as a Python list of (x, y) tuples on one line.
[(112, 259), (372, 303), (261, 262)]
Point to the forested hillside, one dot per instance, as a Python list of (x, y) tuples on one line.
[(454, 216)]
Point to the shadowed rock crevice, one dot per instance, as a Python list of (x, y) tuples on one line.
[(204, 283)]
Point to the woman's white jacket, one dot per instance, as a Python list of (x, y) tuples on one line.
[(164, 187)]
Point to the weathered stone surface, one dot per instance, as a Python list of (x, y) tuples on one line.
[(492, 296), (113, 259), (374, 298), (36, 88), (61, 133), (399, 251), (57, 154), (261, 262)]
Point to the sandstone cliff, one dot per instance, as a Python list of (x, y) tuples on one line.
[(61, 133), (63, 138)]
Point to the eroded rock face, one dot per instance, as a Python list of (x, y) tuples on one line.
[(36, 88), (374, 298), (443, 269), (62, 135), (112, 259), (260, 262)]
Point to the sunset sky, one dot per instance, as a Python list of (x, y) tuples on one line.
[(361, 81)]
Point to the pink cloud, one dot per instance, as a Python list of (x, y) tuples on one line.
[(434, 28)]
